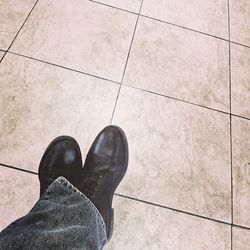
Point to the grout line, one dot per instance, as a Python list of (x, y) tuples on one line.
[(130, 47), (20, 29), (23, 24), (116, 100), (146, 202), (63, 67), (242, 227), (191, 103), (240, 44), (144, 90), (170, 208), (180, 211), (20, 169), (4, 53), (152, 18), (7, 51), (177, 99), (126, 63), (114, 7), (230, 117), (183, 27), (239, 116), (1, 59)]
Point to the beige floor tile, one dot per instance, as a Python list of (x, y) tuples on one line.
[(131, 5), (179, 63), (12, 16), (1, 54), (39, 102), (206, 16), (19, 192), (240, 70), (240, 21), (141, 226), (179, 153), (99, 47), (241, 239), (241, 171)]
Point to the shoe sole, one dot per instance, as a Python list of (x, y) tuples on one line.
[(111, 226)]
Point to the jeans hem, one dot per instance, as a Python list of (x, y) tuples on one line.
[(67, 184)]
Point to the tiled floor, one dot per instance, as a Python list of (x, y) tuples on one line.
[(175, 75)]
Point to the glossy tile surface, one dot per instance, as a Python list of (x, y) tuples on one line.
[(179, 63), (131, 5), (39, 102), (240, 21), (12, 15), (179, 153), (241, 239), (240, 60), (205, 16), (141, 226), (241, 171), (19, 192), (100, 47)]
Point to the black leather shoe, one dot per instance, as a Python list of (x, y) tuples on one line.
[(104, 168), (61, 158)]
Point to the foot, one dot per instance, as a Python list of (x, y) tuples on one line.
[(104, 168), (61, 158)]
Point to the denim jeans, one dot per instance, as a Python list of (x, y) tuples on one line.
[(63, 218)]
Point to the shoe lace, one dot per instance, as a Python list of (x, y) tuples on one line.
[(91, 183)]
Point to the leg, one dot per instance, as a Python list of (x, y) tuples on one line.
[(63, 218), (66, 217)]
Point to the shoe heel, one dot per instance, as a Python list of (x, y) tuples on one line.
[(111, 224)]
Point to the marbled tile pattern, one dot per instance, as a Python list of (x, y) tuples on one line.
[(130, 5), (39, 102), (179, 63), (241, 239), (240, 21), (240, 59), (241, 171), (19, 192), (100, 47), (206, 16), (157, 228), (12, 16), (177, 93), (179, 153)]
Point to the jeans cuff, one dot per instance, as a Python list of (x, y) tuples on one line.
[(63, 181)]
